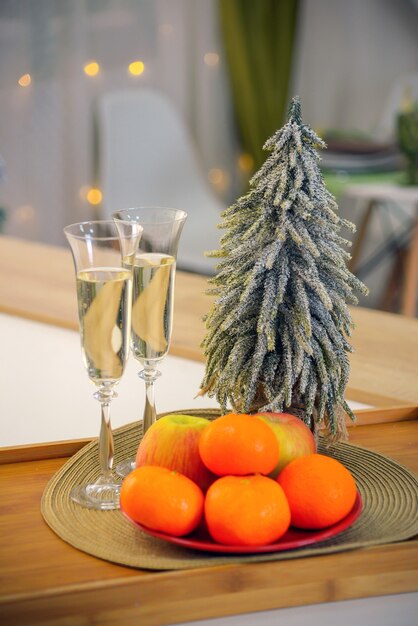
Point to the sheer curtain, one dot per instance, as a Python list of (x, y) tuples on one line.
[(259, 41), (48, 96)]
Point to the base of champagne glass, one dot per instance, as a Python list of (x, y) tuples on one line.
[(103, 496), (125, 467)]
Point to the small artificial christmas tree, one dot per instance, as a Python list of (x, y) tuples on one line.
[(277, 332)]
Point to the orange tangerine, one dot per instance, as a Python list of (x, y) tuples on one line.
[(319, 489), (238, 444), (246, 510), (162, 500)]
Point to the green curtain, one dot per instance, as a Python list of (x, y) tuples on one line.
[(258, 40)]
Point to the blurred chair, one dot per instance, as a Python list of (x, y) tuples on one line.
[(147, 158)]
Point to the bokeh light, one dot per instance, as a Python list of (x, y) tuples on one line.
[(166, 29), (211, 59), (136, 68), (245, 162), (25, 80), (218, 178), (92, 68), (24, 214), (94, 196)]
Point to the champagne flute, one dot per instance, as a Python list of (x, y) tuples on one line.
[(152, 297), (104, 296)]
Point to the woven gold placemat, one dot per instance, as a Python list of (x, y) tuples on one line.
[(388, 490)]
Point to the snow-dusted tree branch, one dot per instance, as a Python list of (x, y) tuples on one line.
[(277, 332)]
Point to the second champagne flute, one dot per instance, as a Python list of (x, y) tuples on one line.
[(152, 297)]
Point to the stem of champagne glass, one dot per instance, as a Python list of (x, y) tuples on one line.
[(105, 395), (149, 374)]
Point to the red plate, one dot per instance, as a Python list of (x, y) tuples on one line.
[(293, 538)]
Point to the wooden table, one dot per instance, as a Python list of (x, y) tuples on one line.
[(44, 580)]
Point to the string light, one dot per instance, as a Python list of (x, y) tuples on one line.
[(245, 162), (218, 178), (24, 214), (166, 29), (25, 80), (211, 59), (92, 68), (136, 68), (94, 196)]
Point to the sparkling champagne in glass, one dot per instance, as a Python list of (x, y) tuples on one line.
[(101, 253), (154, 267)]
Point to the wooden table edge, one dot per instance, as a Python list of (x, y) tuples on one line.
[(63, 449), (238, 588)]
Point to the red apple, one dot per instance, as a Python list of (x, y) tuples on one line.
[(294, 437), (172, 442)]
